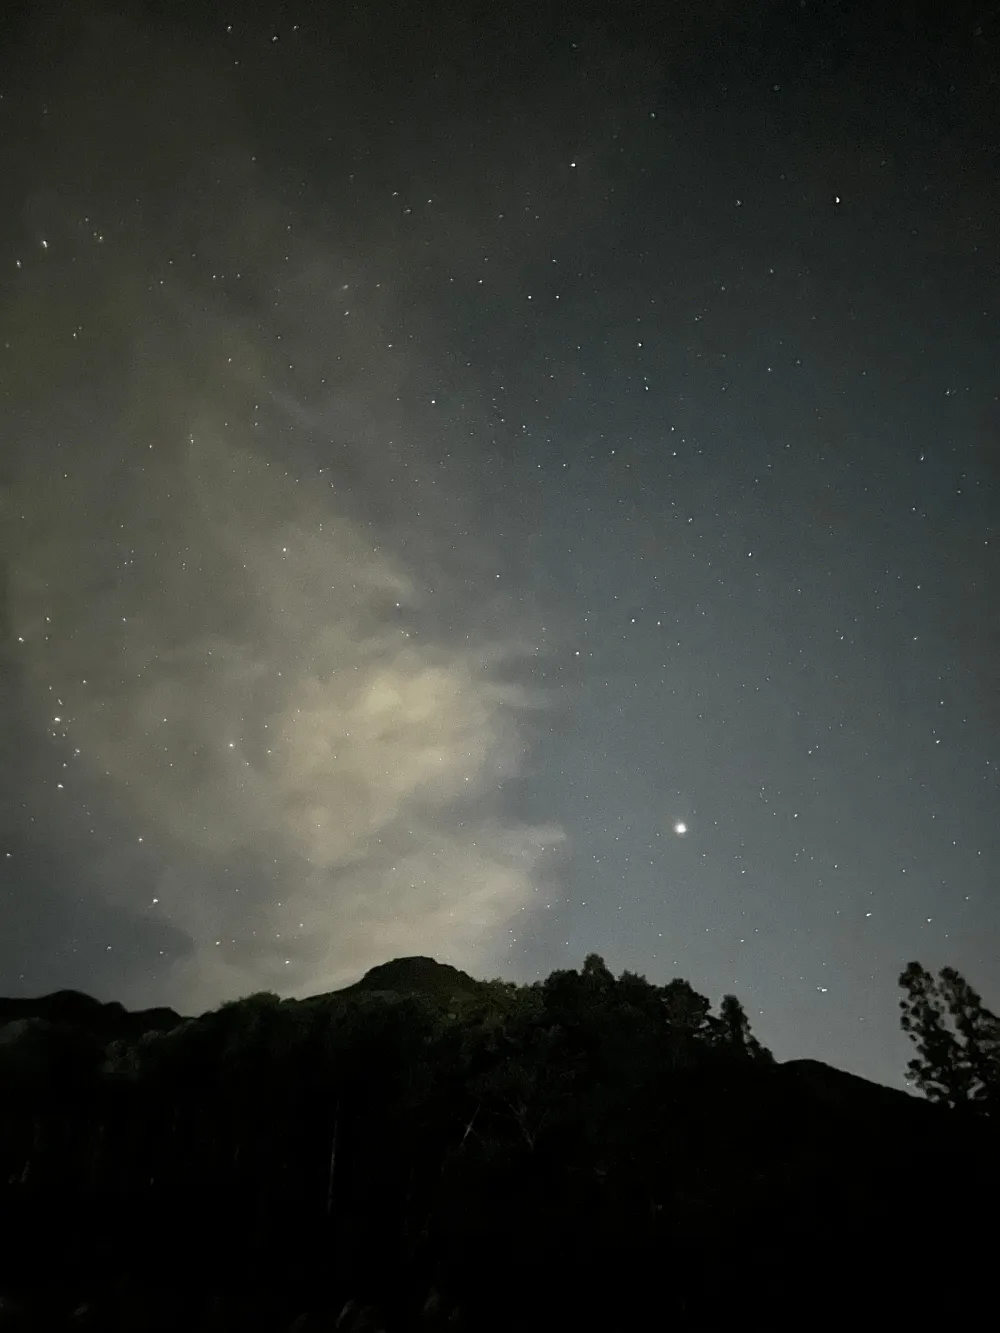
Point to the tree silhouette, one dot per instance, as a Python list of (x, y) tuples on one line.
[(735, 1030), (956, 1036)]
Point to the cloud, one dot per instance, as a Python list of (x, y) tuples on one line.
[(230, 650), (231, 625)]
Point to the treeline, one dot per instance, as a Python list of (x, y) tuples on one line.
[(427, 1151)]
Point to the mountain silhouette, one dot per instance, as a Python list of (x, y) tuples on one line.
[(611, 1146), (109, 1021), (418, 975)]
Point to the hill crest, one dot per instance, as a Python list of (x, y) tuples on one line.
[(417, 975)]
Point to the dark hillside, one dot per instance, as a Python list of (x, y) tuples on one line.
[(426, 1151), (109, 1022), (418, 976)]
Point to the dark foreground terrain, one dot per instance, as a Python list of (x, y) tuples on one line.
[(426, 1151)]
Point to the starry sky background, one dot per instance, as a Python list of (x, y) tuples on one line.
[(445, 447)]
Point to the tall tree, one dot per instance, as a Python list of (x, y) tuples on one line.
[(956, 1036), (735, 1030)]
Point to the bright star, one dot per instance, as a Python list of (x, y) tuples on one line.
[(680, 829)]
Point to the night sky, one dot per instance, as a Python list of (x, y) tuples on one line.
[(502, 482)]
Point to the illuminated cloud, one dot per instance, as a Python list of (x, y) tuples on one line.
[(241, 676)]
